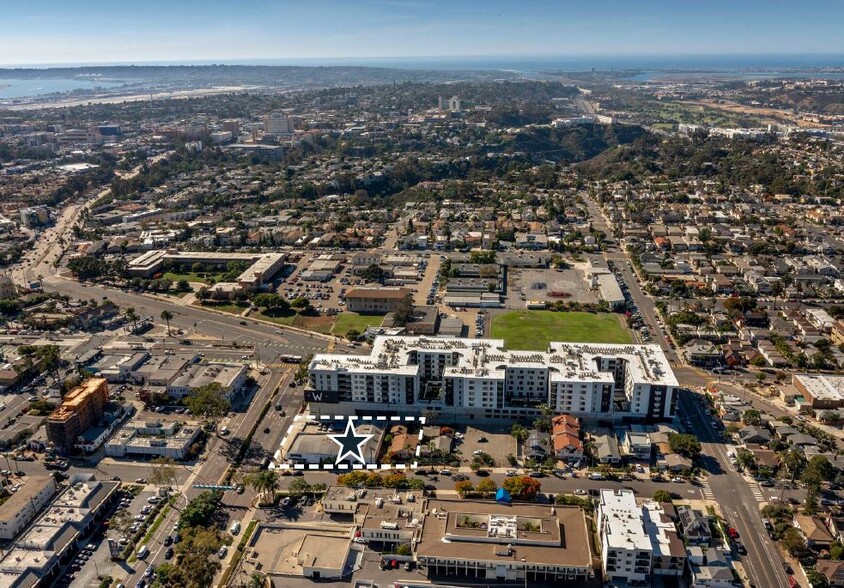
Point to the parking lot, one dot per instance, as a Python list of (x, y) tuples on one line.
[(132, 515), (328, 297), (568, 285)]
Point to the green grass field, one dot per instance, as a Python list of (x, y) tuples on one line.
[(347, 321), (230, 308), (534, 329), (282, 317), (194, 277)]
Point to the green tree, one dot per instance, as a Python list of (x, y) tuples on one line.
[(200, 511), (751, 417), (522, 488), (464, 488), (86, 268), (519, 432), (404, 311), (415, 484), (817, 470), (487, 487), (816, 579), (298, 487), (662, 496), (265, 484), (482, 257), (746, 459), (196, 562), (373, 273), (301, 304), (352, 334), (792, 541), (794, 461), (163, 473), (270, 301), (543, 421), (131, 315), (684, 444), (208, 401), (167, 316)]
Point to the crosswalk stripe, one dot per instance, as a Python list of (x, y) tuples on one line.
[(756, 490)]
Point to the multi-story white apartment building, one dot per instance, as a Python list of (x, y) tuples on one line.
[(479, 379), (25, 504), (626, 548)]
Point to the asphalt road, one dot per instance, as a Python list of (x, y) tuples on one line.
[(268, 340), (736, 499)]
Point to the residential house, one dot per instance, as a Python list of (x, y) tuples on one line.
[(536, 446), (716, 572), (606, 449), (814, 531), (832, 570), (694, 526), (403, 444), (755, 434), (565, 435)]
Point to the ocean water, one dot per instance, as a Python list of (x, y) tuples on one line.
[(534, 64), (641, 68)]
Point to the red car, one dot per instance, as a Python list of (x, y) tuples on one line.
[(733, 533)]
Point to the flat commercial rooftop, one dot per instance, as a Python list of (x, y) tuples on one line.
[(559, 538), (282, 549)]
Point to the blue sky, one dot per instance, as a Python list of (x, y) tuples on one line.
[(63, 31)]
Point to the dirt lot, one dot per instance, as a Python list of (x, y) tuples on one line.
[(538, 285), (499, 442)]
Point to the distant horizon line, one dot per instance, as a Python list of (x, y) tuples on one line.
[(294, 61)]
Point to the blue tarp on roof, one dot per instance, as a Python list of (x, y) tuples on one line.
[(502, 495)]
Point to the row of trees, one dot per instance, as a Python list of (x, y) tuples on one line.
[(362, 479), (195, 564)]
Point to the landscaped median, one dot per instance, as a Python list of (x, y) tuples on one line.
[(238, 553), (130, 553)]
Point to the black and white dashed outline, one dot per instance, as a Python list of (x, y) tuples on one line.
[(355, 466)]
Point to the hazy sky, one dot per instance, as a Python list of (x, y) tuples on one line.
[(70, 31)]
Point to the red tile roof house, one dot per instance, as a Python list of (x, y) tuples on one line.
[(565, 434)]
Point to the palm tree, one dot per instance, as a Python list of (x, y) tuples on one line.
[(264, 483), (166, 315), (271, 483)]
